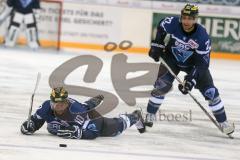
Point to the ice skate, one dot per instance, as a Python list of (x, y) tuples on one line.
[(140, 122), (227, 128), (149, 119)]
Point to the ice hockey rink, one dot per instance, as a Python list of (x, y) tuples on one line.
[(198, 139)]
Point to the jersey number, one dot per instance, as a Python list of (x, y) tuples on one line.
[(79, 119), (167, 20)]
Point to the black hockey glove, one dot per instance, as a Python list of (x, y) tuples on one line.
[(94, 102), (156, 51), (70, 132), (187, 85), (28, 130)]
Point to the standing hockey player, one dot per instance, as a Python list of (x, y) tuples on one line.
[(188, 49), (21, 12), (68, 118)]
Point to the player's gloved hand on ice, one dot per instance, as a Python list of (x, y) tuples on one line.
[(156, 51), (71, 132), (187, 85), (95, 101), (28, 129)]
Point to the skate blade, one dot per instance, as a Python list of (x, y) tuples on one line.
[(230, 135)]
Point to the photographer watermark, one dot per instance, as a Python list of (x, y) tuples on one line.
[(120, 67), (181, 116), (124, 45)]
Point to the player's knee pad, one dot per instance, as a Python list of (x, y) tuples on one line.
[(156, 92), (163, 84), (210, 93), (11, 36), (161, 87), (214, 101)]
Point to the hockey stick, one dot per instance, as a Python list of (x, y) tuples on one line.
[(32, 97), (193, 97)]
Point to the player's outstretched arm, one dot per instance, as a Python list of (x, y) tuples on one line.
[(94, 102), (34, 124)]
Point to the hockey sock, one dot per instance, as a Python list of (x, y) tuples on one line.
[(154, 104), (128, 120), (218, 110)]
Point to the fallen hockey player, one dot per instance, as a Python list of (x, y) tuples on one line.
[(68, 118)]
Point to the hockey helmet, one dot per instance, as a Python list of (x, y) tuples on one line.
[(190, 10), (58, 94)]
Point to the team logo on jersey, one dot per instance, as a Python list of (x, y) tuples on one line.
[(53, 127), (193, 44), (181, 43), (180, 54), (25, 3)]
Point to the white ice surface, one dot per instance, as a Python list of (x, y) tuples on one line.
[(198, 139)]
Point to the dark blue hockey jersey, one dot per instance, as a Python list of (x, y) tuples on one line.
[(24, 6), (75, 115), (190, 51)]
